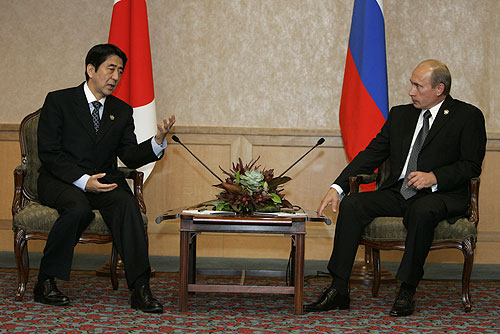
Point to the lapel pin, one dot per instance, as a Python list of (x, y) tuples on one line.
[(446, 112), (112, 117)]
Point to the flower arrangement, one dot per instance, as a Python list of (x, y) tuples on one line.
[(247, 190)]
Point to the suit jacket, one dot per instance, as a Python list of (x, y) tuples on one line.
[(68, 146), (453, 150)]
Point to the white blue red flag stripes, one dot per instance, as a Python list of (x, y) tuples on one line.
[(364, 101), (129, 31)]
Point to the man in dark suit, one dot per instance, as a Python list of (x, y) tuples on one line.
[(81, 133), (434, 145)]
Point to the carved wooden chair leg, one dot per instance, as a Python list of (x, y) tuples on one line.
[(468, 251), (22, 260)]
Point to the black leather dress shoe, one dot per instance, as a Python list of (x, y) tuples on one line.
[(46, 292), (142, 299), (403, 305), (330, 299)]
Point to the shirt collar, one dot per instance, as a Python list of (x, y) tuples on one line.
[(434, 110), (90, 96)]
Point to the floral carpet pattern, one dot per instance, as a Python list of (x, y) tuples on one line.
[(96, 308)]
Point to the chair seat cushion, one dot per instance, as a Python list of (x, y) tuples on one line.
[(392, 229), (37, 218)]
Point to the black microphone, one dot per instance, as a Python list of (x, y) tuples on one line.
[(320, 141), (177, 140)]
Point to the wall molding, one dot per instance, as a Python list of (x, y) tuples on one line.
[(205, 135), (9, 132)]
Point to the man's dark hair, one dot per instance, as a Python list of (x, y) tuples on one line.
[(99, 53), (440, 74)]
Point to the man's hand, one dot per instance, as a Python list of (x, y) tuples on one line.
[(331, 197), (94, 186), (421, 180), (164, 128)]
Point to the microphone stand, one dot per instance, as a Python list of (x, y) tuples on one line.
[(177, 140), (320, 141)]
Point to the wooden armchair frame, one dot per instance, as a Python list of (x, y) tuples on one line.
[(25, 195), (466, 245)]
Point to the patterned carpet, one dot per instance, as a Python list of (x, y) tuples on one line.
[(96, 308)]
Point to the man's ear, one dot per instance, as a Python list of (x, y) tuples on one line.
[(440, 89), (90, 70)]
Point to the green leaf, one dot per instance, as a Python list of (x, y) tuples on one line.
[(269, 207), (275, 198)]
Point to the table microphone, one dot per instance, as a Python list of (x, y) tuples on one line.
[(177, 140), (320, 141)]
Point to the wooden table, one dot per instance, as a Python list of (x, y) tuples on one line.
[(193, 224)]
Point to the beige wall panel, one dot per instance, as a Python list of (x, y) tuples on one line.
[(487, 252), (255, 246), (37, 246), (178, 180), (489, 208), (11, 157), (311, 177), (211, 245), (164, 244), (318, 248)]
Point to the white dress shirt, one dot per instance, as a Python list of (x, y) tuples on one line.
[(157, 149), (434, 110)]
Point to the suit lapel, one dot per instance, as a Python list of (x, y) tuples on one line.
[(82, 111), (108, 117), (444, 115), (408, 129)]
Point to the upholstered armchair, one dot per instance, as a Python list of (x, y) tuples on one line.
[(389, 233), (32, 221)]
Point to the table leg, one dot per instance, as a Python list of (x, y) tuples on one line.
[(299, 272), (183, 271)]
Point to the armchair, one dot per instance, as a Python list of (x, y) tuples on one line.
[(389, 233), (33, 221)]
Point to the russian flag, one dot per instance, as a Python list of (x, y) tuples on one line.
[(364, 101), (129, 31)]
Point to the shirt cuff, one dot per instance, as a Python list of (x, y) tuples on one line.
[(82, 181), (339, 190), (158, 149)]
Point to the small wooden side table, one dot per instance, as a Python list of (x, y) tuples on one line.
[(193, 224)]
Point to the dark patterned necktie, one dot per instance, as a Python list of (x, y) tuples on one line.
[(95, 115), (412, 163)]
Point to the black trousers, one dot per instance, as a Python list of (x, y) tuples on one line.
[(420, 213), (121, 214)]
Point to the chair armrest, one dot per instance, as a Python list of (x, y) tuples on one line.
[(19, 201), (137, 178), (356, 181)]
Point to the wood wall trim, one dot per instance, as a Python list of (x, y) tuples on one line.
[(257, 136), (205, 135), (9, 132)]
